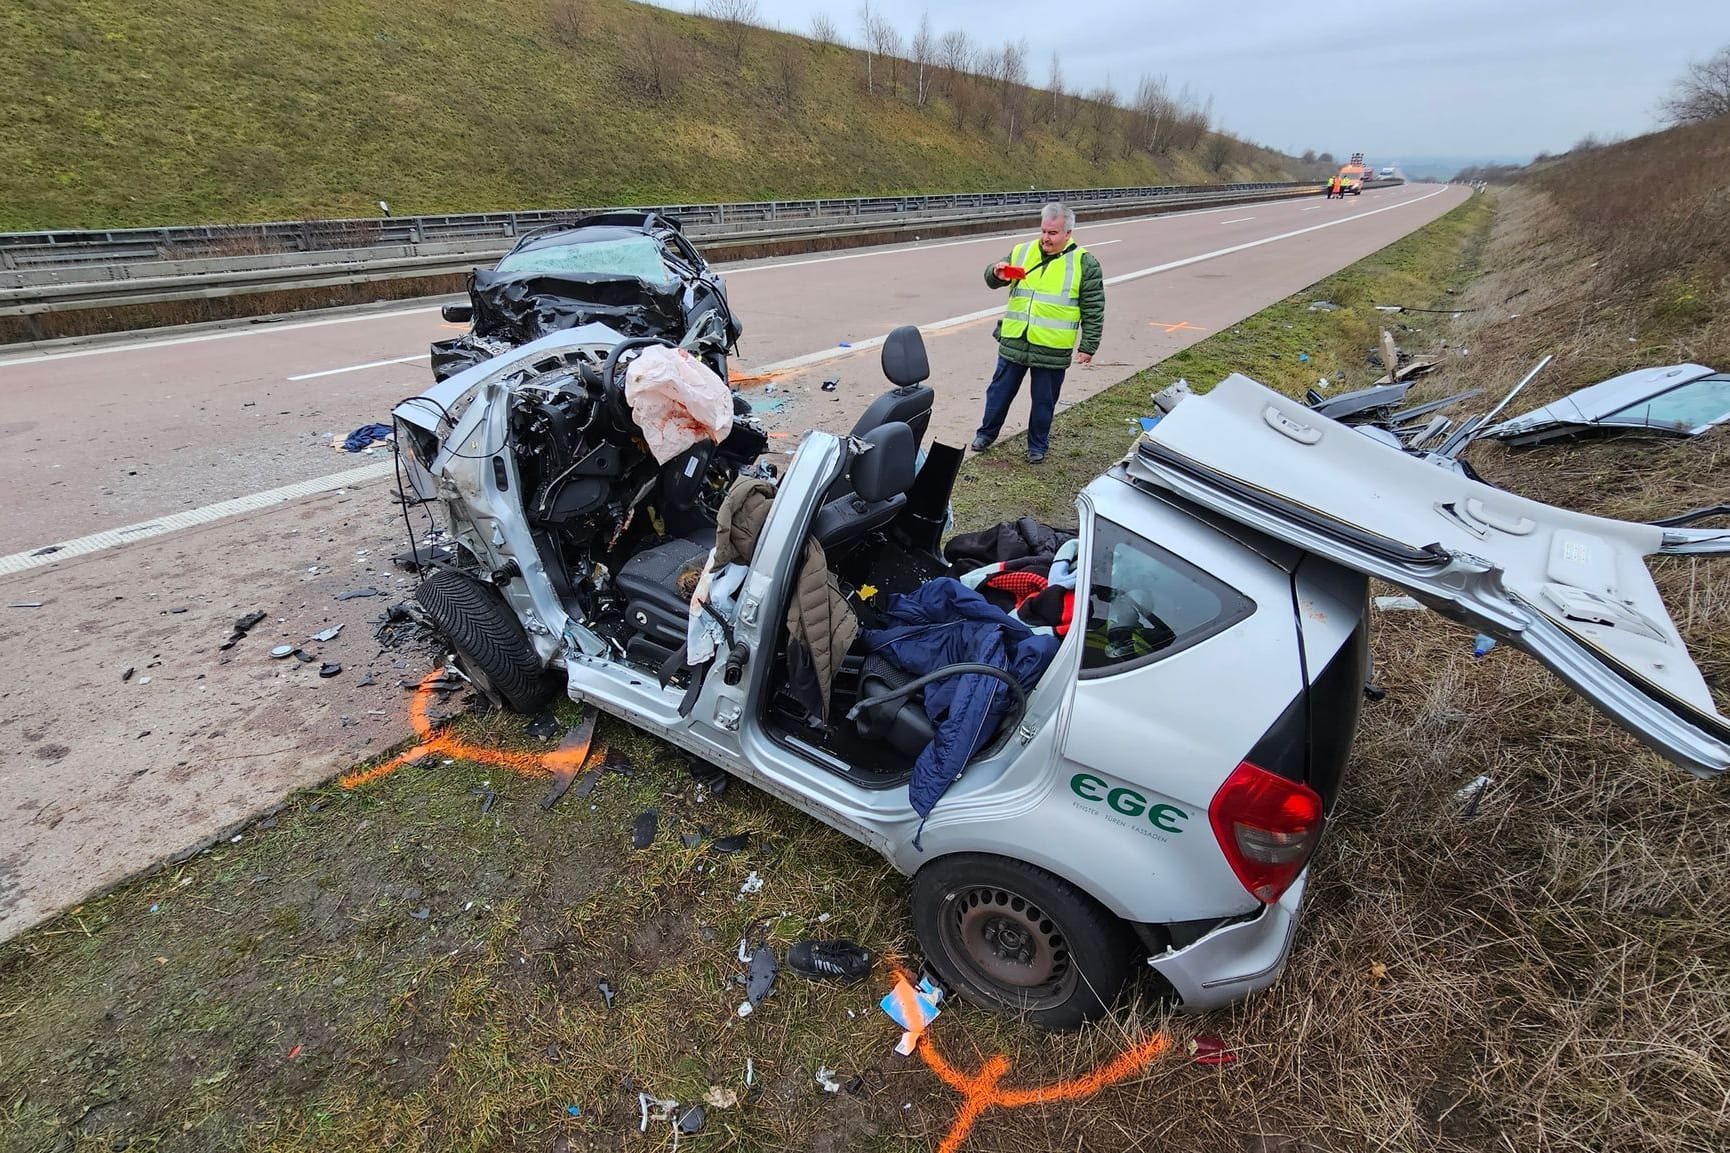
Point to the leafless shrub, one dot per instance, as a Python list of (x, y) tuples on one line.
[(567, 20), (823, 29), (1703, 92), (1221, 150), (736, 18), (790, 73), (658, 68)]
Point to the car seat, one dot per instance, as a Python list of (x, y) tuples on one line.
[(880, 473)]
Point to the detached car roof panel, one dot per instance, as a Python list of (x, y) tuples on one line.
[(1679, 399)]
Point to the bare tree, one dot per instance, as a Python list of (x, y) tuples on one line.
[(823, 30), (660, 64), (1012, 87), (736, 18), (567, 21), (1154, 113), (1309, 156), (924, 51), (867, 24), (1054, 90), (789, 75), (1221, 150), (886, 41), (1102, 103), (1326, 158), (1703, 92), (955, 55)]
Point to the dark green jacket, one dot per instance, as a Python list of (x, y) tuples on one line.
[(1017, 348)]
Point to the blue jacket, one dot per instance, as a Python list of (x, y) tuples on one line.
[(944, 622)]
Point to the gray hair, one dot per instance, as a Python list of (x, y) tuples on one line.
[(1055, 210)]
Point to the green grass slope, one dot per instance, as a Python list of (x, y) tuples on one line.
[(182, 111)]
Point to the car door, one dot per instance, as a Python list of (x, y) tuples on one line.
[(1570, 589)]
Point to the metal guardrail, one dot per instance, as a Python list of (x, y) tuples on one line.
[(66, 271), (72, 248)]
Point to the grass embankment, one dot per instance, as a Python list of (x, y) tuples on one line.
[(1546, 971), (187, 111)]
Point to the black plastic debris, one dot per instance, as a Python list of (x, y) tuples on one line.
[(127, 674), (691, 1121), (33, 605), (48, 550), (690, 840), (587, 782), (242, 625), (421, 913), (487, 796), (831, 385), (422, 555), (369, 679), (305, 658), (607, 993), (712, 778), (356, 594), (762, 976), (544, 727), (643, 831), (732, 844), (329, 669)]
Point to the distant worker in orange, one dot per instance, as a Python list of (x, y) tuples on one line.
[(1334, 188)]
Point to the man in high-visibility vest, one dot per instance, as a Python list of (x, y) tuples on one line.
[(1055, 312)]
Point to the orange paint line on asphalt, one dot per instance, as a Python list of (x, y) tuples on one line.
[(1180, 326), (433, 742)]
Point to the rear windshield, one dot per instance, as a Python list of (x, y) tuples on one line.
[(634, 256)]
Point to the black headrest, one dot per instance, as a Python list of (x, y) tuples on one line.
[(886, 468), (904, 361)]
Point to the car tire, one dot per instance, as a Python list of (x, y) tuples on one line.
[(489, 640), (1009, 936)]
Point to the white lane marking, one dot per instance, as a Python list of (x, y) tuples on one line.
[(1238, 220), (169, 342), (828, 354), (358, 367), (1313, 207), (173, 522)]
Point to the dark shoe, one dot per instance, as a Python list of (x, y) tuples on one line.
[(841, 959), (1034, 457), (980, 444)]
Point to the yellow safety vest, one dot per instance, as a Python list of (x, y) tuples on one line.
[(1046, 305)]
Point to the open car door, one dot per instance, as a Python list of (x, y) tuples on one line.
[(1570, 589)]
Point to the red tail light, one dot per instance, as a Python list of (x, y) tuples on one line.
[(1267, 826)]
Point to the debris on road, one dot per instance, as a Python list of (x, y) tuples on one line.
[(691, 1121), (356, 594), (732, 844), (243, 625), (365, 435), (762, 976), (126, 675), (663, 1109), (544, 727), (912, 1008), (719, 1098), (573, 752), (1400, 604), (826, 1078), (329, 669), (607, 993), (326, 635), (753, 884), (25, 605), (487, 796)]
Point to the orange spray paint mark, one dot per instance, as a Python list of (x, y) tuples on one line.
[(433, 742), (748, 379), (983, 1090)]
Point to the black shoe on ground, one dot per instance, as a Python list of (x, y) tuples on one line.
[(1034, 457), (840, 959), (980, 444)]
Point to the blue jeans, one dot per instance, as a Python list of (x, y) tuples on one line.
[(1005, 383)]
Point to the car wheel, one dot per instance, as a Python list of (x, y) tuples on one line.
[(1012, 937), (489, 640)]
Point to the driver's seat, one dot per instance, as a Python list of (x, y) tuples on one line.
[(880, 475), (909, 402)]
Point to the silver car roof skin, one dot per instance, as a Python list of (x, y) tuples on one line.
[(1571, 589), (1594, 404)]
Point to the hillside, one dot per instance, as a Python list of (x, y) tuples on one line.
[(186, 111)]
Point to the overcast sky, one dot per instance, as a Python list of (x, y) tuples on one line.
[(1407, 77)]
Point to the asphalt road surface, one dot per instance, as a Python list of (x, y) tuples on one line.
[(189, 479)]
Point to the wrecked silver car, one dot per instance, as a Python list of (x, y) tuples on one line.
[(634, 272), (1143, 779)]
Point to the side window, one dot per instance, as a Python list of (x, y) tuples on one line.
[(1144, 603)]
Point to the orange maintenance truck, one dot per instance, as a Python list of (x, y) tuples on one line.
[(1353, 173)]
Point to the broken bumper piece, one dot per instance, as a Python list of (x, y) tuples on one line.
[(1234, 960)]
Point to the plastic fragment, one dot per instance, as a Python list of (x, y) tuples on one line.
[(826, 1078), (643, 831), (1210, 1050), (324, 635)]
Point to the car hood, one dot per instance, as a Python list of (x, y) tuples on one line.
[(1570, 589)]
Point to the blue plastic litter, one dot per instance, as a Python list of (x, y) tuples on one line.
[(1482, 645), (574, 1110), (1303, 358), (1147, 423), (845, 344)]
